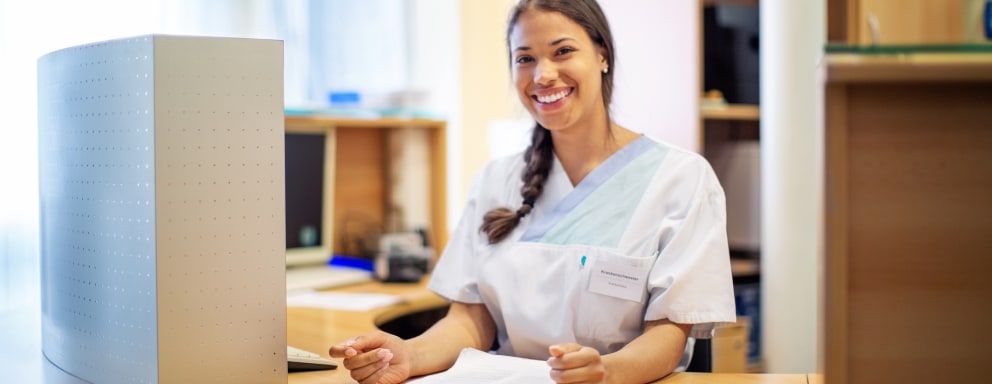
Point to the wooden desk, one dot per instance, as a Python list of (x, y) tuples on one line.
[(312, 329), (316, 330)]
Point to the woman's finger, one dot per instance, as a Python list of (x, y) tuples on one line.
[(368, 358), (574, 358), (358, 345), (370, 373), (561, 349)]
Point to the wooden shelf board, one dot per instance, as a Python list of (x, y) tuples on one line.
[(319, 123), (732, 112), (920, 67)]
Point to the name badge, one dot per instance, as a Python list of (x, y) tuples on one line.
[(620, 278)]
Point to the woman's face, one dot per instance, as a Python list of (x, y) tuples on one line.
[(557, 70)]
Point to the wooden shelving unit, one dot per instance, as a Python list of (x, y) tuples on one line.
[(361, 177), (725, 126)]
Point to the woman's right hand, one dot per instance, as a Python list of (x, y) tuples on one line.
[(375, 358)]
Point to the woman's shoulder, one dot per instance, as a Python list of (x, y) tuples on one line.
[(680, 157), (683, 175)]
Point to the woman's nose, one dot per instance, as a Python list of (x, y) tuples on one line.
[(546, 72)]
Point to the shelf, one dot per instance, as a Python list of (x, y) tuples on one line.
[(732, 112), (745, 267), (916, 67), (905, 49)]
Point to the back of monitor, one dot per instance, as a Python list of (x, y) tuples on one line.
[(162, 210)]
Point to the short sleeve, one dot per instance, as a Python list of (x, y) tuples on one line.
[(691, 282), (455, 277)]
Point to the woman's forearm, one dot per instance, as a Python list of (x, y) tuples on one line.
[(465, 326), (651, 356)]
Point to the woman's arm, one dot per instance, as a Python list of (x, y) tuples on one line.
[(379, 357), (465, 326), (650, 356)]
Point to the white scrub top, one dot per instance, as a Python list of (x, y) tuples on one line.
[(643, 237)]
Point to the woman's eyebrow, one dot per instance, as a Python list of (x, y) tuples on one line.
[(551, 44), (561, 40)]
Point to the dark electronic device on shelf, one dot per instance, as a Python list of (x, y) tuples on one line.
[(404, 257)]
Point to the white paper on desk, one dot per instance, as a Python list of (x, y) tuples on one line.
[(342, 301), (477, 367)]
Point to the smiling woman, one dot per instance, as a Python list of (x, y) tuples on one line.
[(616, 254)]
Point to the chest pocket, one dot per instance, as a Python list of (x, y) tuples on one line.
[(539, 294), (612, 298)]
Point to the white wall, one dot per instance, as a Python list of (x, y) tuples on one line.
[(29, 29), (658, 69), (792, 37), (435, 68), (486, 92)]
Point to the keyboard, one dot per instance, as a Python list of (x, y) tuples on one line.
[(300, 360), (323, 276)]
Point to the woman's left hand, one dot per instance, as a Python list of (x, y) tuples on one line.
[(573, 363)]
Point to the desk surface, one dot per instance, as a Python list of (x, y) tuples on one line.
[(311, 329), (316, 330)]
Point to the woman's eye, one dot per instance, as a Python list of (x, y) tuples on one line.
[(523, 59), (565, 50)]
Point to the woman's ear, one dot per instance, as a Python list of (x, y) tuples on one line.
[(603, 64)]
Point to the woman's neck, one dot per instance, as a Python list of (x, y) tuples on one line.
[(581, 151)]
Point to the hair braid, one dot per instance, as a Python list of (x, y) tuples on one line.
[(499, 222)]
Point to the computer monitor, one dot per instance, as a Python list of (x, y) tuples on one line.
[(309, 198)]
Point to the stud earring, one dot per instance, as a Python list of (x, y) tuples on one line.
[(606, 70)]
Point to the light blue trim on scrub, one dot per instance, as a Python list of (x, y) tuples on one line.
[(618, 183)]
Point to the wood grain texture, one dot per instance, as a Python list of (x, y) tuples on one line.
[(909, 219), (912, 21)]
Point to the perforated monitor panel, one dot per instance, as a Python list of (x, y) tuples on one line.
[(97, 198), (221, 207), (162, 210)]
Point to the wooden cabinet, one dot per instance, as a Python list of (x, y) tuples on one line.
[(908, 180), (908, 234)]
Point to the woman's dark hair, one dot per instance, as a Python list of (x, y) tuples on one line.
[(499, 222)]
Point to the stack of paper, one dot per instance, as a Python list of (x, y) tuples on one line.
[(477, 367), (341, 301)]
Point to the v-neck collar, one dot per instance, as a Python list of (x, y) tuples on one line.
[(575, 195)]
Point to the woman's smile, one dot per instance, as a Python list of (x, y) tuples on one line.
[(550, 100)]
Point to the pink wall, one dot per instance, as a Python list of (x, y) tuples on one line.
[(658, 68)]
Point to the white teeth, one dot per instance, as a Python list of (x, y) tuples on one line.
[(553, 97)]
